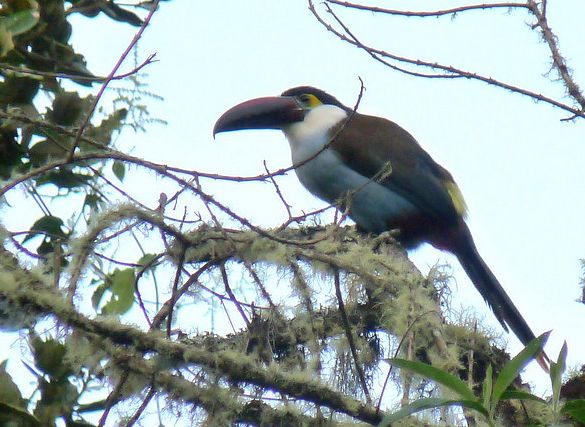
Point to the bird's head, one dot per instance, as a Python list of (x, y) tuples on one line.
[(276, 112)]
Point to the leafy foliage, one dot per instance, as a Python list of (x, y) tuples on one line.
[(121, 285), (492, 393), (35, 56)]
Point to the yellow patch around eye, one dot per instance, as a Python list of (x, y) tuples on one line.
[(313, 101), (457, 198)]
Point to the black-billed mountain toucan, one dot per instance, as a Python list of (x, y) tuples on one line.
[(349, 154)]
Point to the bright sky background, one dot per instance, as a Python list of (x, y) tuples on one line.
[(519, 167)]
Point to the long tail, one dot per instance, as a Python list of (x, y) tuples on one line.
[(490, 289)]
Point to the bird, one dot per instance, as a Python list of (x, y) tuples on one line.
[(383, 178)]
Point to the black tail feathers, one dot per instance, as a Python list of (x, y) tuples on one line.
[(490, 289)]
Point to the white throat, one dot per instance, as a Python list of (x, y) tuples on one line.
[(310, 135)]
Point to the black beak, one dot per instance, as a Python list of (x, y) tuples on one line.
[(261, 113)]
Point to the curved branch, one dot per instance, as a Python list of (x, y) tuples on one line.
[(423, 14), (451, 72)]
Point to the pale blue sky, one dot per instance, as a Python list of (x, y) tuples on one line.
[(519, 167)]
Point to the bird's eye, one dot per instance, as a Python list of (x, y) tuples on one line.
[(305, 99)]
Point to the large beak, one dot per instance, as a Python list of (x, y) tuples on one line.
[(261, 113)]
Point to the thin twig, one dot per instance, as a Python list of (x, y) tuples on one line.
[(259, 283), (228, 289), (145, 401), (226, 297), (77, 77), (278, 192), (143, 269), (21, 248), (174, 297), (113, 397), (110, 76), (167, 306), (350, 340), (397, 351)]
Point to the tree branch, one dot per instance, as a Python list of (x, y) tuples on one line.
[(452, 72)]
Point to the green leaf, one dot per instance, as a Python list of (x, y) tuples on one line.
[(576, 409), (98, 294), (14, 416), (487, 386), (50, 358), (64, 178), (48, 225), (514, 366), (9, 392), (97, 405), (46, 247), (148, 261), (20, 22), (556, 374), (521, 395), (122, 288), (67, 108), (13, 25), (103, 132), (50, 148), (92, 200), (6, 42), (119, 169), (116, 12), (57, 398), (430, 403), (450, 381)]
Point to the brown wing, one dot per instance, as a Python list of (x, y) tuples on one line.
[(414, 174)]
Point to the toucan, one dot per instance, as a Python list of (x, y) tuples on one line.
[(381, 175)]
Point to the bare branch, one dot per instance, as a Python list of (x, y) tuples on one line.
[(450, 72), (559, 62), (77, 77), (110, 76), (424, 14)]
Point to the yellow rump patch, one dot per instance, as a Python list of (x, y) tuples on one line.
[(456, 198)]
